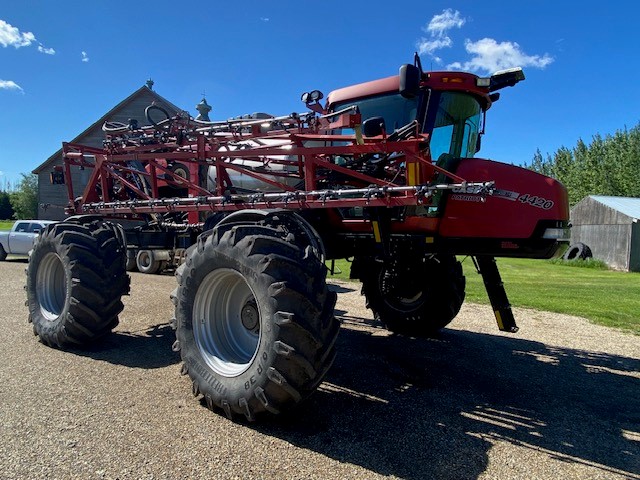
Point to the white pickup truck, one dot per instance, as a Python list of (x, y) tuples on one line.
[(19, 240)]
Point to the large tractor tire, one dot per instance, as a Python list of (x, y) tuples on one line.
[(75, 280), (416, 298), (254, 318)]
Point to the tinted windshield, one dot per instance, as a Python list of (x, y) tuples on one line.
[(455, 119), (396, 110)]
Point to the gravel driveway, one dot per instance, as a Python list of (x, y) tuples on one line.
[(559, 399)]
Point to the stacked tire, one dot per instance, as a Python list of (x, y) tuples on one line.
[(578, 251)]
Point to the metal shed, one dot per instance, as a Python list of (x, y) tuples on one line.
[(609, 226)]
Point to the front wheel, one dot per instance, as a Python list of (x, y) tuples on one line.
[(254, 318), (415, 298), (75, 280)]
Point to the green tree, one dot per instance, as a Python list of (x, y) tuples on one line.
[(25, 199), (606, 166), (6, 210)]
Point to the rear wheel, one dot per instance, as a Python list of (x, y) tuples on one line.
[(254, 317), (75, 280), (413, 298), (3, 254)]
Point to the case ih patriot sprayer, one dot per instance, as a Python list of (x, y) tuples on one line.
[(382, 174)]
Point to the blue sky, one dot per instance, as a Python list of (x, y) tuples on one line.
[(64, 64)]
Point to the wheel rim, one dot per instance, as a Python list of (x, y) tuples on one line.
[(51, 286), (144, 259), (226, 322), (411, 298)]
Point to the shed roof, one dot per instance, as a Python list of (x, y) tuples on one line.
[(626, 205)]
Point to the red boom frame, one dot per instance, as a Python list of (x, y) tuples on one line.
[(209, 147)]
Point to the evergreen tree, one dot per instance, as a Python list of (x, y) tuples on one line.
[(6, 210)]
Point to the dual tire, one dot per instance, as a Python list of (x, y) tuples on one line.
[(75, 280)]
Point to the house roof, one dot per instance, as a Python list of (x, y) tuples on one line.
[(626, 205), (105, 117)]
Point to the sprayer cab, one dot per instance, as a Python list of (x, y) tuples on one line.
[(524, 215)]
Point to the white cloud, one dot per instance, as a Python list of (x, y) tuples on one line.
[(48, 51), (264, 19), (430, 46), (10, 85), (437, 29), (11, 36), (85, 57), (447, 20), (490, 56)]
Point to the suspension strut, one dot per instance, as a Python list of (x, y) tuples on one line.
[(488, 268)]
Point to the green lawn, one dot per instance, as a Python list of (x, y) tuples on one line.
[(6, 224), (606, 297)]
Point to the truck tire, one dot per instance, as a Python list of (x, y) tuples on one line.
[(254, 318), (3, 254), (180, 170), (147, 263), (75, 280), (131, 265), (577, 251), (416, 300)]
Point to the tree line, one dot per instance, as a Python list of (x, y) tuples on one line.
[(22, 202), (608, 165)]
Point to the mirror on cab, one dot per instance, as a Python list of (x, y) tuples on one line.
[(409, 80), (373, 127)]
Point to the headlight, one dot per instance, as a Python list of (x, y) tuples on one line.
[(556, 234)]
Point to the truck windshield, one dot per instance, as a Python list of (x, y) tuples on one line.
[(454, 122)]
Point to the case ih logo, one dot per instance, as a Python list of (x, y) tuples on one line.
[(474, 194)]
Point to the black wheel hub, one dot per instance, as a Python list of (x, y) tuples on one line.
[(250, 317)]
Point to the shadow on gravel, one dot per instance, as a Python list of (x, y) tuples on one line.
[(11, 259), (142, 349), (338, 288), (418, 408)]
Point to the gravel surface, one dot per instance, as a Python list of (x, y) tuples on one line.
[(559, 399)]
